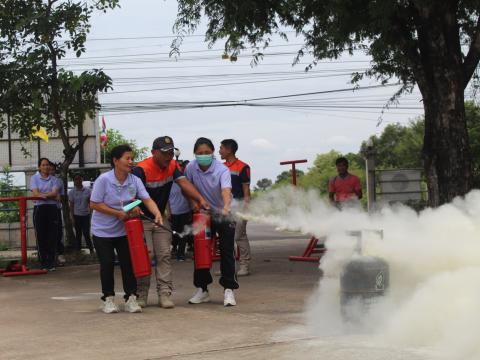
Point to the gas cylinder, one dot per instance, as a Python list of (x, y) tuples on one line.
[(138, 248), (363, 281), (202, 241)]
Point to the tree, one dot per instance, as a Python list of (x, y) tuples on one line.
[(116, 138), (263, 184), (399, 146), (285, 177), (429, 43), (34, 90)]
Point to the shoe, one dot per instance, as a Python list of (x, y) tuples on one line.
[(199, 297), (132, 306), (109, 306), (61, 260), (142, 302), (229, 298), (243, 271), (52, 269), (180, 257), (165, 301)]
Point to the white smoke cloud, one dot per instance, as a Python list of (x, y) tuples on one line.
[(434, 260)]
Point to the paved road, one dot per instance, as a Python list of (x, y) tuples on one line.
[(257, 231), (56, 316)]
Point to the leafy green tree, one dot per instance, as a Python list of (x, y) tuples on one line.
[(263, 184), (116, 138), (34, 90), (429, 43), (285, 177), (399, 146)]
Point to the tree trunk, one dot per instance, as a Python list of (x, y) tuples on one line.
[(446, 149)]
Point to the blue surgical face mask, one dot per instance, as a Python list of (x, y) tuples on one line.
[(204, 160)]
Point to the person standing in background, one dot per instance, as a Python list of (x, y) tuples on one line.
[(45, 213), (181, 217), (240, 173), (345, 188), (79, 199)]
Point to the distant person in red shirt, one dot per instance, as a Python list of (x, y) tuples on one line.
[(345, 187)]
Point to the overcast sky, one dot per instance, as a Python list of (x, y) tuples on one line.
[(266, 135)]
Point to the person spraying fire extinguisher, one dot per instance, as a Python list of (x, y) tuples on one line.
[(111, 192), (213, 181)]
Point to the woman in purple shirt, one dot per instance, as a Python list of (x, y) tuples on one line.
[(214, 183), (111, 192), (45, 218)]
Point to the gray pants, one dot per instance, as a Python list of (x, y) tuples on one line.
[(241, 239), (158, 242)]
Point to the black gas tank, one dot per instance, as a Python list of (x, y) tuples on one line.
[(363, 280)]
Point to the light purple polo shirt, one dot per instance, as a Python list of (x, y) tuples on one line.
[(109, 191), (80, 198), (44, 185), (211, 182), (178, 203)]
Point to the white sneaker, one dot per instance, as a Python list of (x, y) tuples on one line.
[(61, 259), (132, 306), (199, 297), (229, 298), (243, 270), (109, 306)]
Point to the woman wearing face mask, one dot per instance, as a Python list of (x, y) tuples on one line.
[(111, 192), (213, 181)]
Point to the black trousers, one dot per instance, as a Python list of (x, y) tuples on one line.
[(105, 248), (82, 226), (60, 244), (225, 229), (45, 221), (178, 224)]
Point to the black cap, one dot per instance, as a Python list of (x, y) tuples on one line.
[(163, 143)]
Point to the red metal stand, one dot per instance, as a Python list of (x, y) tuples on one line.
[(294, 170), (313, 247), (19, 269)]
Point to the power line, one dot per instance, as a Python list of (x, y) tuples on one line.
[(160, 37), (163, 53), (223, 84)]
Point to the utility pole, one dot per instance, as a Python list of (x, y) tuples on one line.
[(370, 172)]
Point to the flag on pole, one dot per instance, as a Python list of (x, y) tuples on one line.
[(103, 135), (40, 132)]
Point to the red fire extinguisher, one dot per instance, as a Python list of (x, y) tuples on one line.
[(202, 242), (138, 249)]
